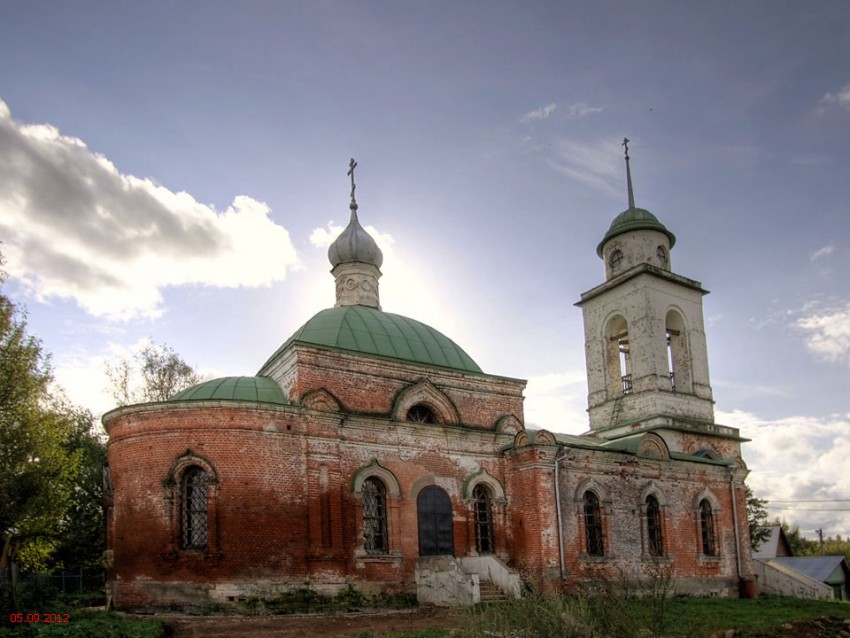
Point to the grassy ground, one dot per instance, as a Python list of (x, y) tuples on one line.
[(540, 616)]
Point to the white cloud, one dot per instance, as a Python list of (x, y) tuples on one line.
[(75, 227), (840, 99), (598, 165), (556, 402), (540, 114), (580, 109), (798, 459), (823, 252), (827, 331)]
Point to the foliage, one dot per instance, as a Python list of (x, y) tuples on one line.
[(82, 531), (802, 546), (756, 518), (155, 373), (47, 452), (88, 625)]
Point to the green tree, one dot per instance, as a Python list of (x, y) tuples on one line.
[(155, 373), (81, 534), (756, 518), (37, 470)]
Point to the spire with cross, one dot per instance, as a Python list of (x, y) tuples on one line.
[(629, 174), (351, 166)]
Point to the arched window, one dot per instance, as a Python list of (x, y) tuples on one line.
[(618, 357), (706, 524), (421, 413), (483, 514), (193, 509), (678, 359), (593, 525), (374, 494), (653, 527)]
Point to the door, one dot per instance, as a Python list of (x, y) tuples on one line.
[(436, 534)]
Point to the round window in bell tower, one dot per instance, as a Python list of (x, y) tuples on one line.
[(615, 260)]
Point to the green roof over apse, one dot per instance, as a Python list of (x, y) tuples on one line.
[(370, 331), (256, 389), (634, 219)]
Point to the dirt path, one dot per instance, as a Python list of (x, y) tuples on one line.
[(308, 626)]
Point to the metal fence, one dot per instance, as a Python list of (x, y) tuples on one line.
[(73, 582)]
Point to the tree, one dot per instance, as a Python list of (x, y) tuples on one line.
[(81, 534), (155, 373), (756, 518), (37, 468)]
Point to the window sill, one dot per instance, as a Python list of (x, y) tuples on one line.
[(709, 560), (605, 558), (392, 557)]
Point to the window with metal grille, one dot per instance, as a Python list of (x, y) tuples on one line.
[(593, 524), (421, 413), (653, 526), (706, 520), (483, 519), (374, 516), (194, 509)]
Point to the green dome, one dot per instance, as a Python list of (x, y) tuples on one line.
[(634, 219), (257, 389), (370, 331)]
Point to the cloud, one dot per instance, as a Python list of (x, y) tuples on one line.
[(798, 458), (540, 114), (597, 165), (827, 331), (557, 402), (822, 252), (840, 99), (580, 109), (75, 227)]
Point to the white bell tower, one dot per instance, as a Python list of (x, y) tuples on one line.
[(645, 347)]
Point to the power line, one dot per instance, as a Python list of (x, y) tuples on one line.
[(823, 500), (798, 509)]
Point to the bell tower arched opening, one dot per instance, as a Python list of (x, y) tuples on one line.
[(678, 355), (618, 359)]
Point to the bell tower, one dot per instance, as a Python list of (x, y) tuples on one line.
[(645, 346)]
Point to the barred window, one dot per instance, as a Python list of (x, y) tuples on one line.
[(706, 521), (593, 524), (653, 526), (374, 516), (483, 519), (421, 413), (193, 507)]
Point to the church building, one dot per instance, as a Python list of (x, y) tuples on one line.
[(371, 451)]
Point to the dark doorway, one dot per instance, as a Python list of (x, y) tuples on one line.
[(436, 534), (483, 519)]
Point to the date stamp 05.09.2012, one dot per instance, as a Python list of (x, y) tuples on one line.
[(23, 618)]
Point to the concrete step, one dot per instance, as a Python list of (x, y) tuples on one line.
[(490, 593)]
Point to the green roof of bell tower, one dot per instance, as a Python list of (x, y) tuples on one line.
[(634, 219)]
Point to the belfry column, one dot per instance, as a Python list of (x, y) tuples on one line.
[(356, 261)]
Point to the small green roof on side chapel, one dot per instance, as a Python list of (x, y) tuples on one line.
[(633, 218)]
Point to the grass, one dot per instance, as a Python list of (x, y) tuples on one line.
[(544, 616), (692, 615)]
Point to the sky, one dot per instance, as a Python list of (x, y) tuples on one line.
[(175, 172)]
